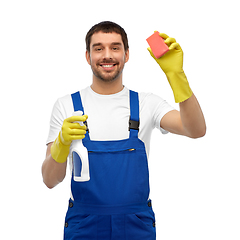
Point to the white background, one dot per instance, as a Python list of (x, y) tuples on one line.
[(194, 183)]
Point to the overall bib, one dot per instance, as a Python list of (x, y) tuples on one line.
[(113, 204)]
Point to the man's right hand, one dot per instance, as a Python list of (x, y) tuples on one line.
[(71, 130)]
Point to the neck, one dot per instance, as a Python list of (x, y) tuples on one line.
[(107, 88)]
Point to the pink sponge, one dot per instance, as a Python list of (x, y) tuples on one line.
[(157, 45)]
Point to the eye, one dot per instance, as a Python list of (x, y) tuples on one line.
[(115, 48), (98, 49)]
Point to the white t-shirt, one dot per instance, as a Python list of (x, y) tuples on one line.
[(108, 115)]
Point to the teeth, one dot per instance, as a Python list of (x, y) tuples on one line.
[(107, 66)]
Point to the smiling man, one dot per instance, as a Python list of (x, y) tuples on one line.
[(114, 203)]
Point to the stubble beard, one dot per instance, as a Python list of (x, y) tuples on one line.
[(107, 77)]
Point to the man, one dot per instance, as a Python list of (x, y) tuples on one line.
[(114, 203)]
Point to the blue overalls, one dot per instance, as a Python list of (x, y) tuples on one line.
[(113, 204)]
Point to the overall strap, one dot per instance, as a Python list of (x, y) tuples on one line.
[(77, 102), (134, 114), (77, 105)]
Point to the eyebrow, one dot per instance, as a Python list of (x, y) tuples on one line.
[(100, 44)]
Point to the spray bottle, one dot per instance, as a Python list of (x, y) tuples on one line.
[(80, 157)]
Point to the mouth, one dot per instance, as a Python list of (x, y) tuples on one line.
[(108, 66)]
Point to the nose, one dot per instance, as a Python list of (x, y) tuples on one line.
[(107, 54)]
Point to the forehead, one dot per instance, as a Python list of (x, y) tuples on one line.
[(106, 38)]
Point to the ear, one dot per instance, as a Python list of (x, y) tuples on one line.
[(127, 56), (88, 57)]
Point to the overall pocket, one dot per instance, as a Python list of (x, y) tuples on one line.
[(119, 177), (141, 226), (79, 225)]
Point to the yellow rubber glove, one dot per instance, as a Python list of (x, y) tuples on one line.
[(70, 131), (172, 65)]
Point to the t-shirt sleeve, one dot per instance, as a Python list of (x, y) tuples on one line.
[(159, 107), (56, 121)]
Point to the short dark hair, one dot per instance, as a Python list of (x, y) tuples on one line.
[(106, 27)]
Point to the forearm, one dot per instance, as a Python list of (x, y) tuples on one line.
[(192, 118), (53, 172)]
